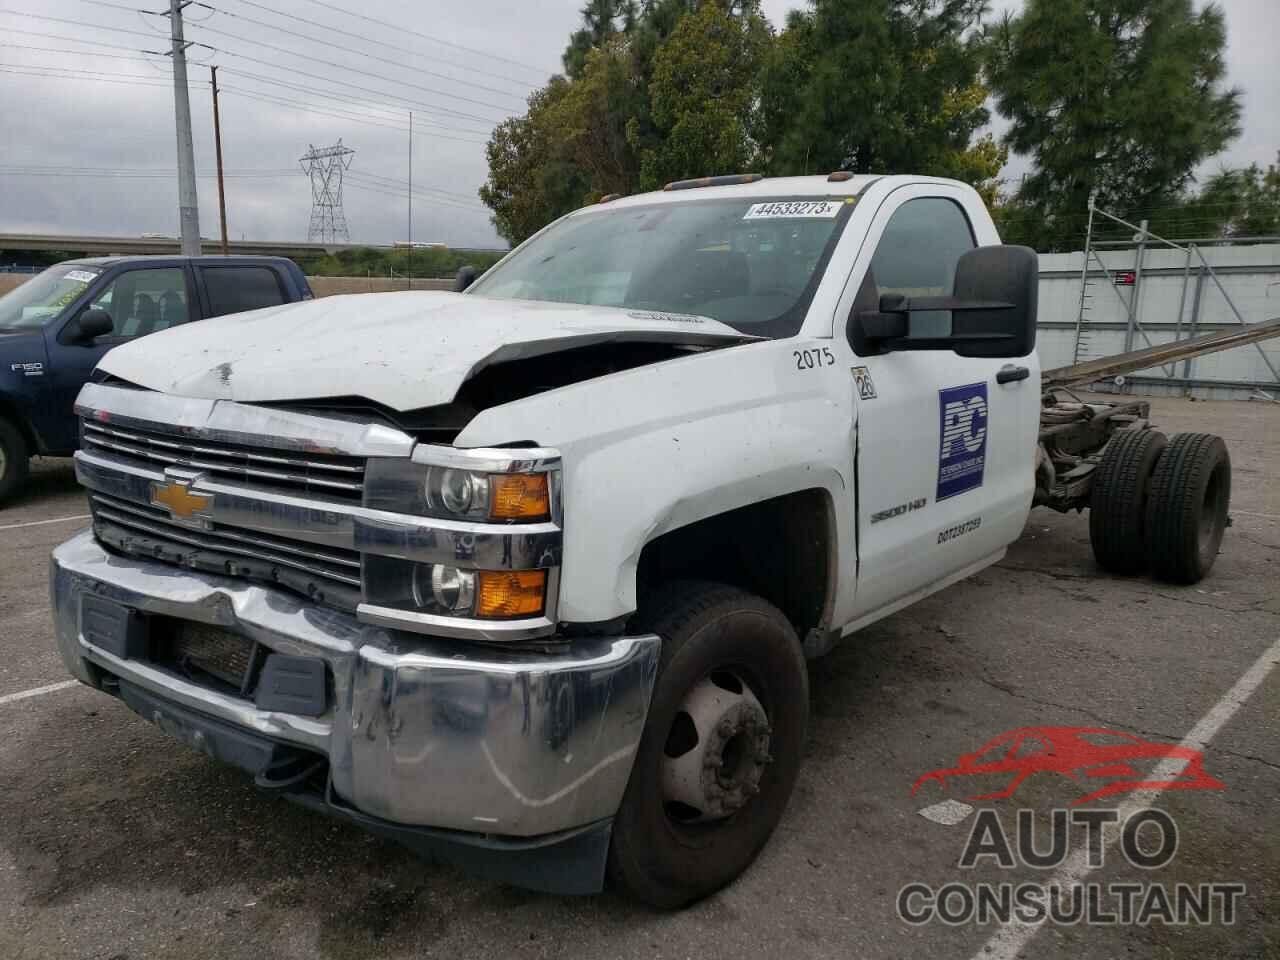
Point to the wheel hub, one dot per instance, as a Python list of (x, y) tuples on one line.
[(716, 751)]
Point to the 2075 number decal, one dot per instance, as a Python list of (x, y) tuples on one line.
[(812, 359)]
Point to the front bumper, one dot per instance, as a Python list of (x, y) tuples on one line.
[(418, 732)]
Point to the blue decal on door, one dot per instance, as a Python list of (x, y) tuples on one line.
[(963, 452)]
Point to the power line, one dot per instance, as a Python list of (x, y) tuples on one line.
[(506, 111), (67, 73), (471, 197), (383, 43), (401, 188), (329, 112), (243, 56), (150, 35), (400, 28), (361, 103), (347, 49)]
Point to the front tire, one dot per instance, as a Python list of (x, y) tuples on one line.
[(14, 457), (721, 746), (1187, 508)]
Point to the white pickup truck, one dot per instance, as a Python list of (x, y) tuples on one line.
[(525, 576)]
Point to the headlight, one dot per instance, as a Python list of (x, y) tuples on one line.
[(456, 493), (447, 591), (456, 572)]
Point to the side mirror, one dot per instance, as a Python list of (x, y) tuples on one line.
[(1000, 274), (91, 324), (993, 309), (465, 278)]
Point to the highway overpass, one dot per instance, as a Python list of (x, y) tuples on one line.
[(136, 245)]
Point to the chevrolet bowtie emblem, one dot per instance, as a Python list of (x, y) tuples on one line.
[(176, 497)]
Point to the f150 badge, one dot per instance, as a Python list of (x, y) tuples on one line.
[(34, 369), (963, 453)]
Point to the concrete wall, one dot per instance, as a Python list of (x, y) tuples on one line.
[(329, 286)]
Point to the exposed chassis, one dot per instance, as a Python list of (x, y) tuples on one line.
[(1074, 433)]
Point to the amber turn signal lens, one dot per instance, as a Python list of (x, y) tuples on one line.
[(519, 496), (511, 593)]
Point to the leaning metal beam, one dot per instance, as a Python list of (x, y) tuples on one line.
[(1165, 353)]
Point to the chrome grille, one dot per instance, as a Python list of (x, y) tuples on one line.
[(340, 477), (309, 569)]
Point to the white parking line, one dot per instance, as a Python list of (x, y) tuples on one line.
[(38, 523), (37, 691), (1011, 939)]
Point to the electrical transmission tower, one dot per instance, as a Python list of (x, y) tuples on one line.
[(325, 166)]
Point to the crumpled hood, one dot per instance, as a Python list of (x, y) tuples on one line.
[(403, 350)]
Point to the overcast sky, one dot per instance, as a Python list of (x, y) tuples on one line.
[(70, 106)]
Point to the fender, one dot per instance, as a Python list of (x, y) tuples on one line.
[(649, 450)]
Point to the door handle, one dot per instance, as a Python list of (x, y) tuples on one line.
[(1011, 374)]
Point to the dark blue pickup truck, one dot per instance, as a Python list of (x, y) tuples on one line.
[(55, 328)]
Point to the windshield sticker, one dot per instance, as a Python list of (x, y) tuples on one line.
[(81, 276), (666, 317), (963, 454), (794, 210)]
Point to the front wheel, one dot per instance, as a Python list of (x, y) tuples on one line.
[(721, 746), (13, 460)]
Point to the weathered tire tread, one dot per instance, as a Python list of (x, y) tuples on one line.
[(1177, 490), (1118, 503)]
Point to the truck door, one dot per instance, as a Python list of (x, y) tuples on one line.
[(946, 452), (139, 301)]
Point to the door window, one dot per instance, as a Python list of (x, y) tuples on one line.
[(234, 289), (917, 257), (144, 301)]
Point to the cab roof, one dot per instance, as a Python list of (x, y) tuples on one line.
[(811, 186), (110, 261)]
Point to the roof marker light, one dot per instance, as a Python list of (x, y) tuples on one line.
[(725, 181)]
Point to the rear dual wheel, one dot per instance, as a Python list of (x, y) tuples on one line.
[(1187, 508), (721, 746), (1160, 504)]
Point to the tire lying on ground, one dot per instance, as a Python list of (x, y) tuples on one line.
[(1118, 504), (1187, 507), (721, 745), (13, 460)]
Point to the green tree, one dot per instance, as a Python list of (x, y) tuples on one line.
[(879, 86), (1119, 98), (1243, 202), (703, 94), (601, 20), (531, 180)]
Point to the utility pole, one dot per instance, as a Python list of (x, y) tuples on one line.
[(188, 209), (217, 146), (410, 258)]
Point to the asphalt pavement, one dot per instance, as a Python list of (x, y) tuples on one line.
[(116, 842)]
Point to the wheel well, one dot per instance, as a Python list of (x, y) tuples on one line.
[(781, 549)]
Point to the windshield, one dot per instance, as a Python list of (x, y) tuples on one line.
[(44, 295), (750, 263)]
